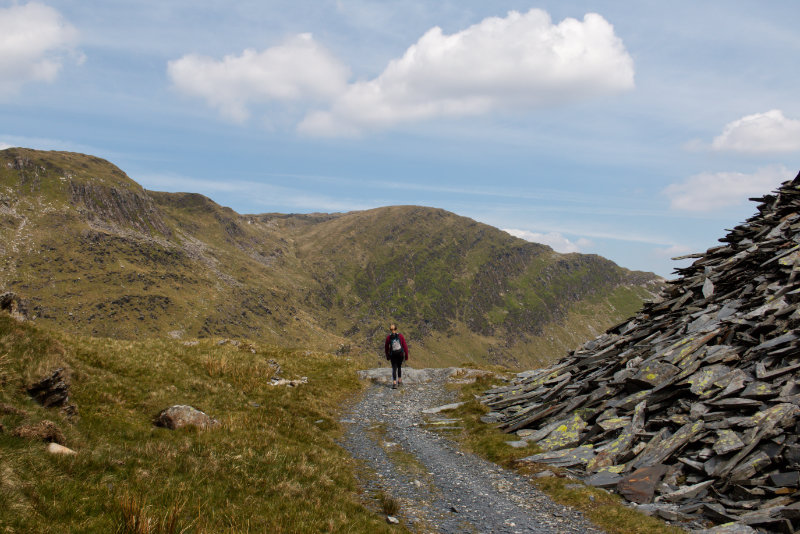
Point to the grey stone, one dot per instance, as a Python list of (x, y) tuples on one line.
[(180, 416), (443, 408)]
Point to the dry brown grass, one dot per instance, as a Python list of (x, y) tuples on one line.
[(136, 518), (389, 505)]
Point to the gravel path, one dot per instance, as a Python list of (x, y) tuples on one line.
[(438, 487)]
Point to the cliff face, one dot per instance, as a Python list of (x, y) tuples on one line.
[(94, 252)]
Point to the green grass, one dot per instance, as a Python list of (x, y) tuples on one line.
[(604, 509), (94, 253), (275, 467)]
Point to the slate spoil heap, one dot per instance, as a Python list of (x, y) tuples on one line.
[(694, 402)]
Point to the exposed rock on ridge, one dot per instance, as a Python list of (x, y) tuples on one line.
[(704, 381)]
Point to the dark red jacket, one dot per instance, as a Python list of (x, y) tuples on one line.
[(387, 347)]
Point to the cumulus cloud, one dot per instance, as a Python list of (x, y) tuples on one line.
[(35, 40), (554, 240), (297, 70), (520, 61), (711, 191), (760, 133)]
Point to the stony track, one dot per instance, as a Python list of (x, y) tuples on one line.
[(438, 487)]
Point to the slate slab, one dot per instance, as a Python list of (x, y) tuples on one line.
[(639, 486)]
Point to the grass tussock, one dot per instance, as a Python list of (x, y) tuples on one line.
[(272, 465), (603, 508), (389, 505), (135, 518)]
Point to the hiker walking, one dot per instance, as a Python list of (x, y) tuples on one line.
[(396, 352)]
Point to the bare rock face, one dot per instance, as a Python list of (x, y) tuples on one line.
[(52, 390), (43, 431), (180, 416)]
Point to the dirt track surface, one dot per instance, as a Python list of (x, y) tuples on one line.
[(439, 488)]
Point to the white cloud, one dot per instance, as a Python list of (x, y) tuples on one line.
[(299, 69), (554, 240), (760, 133), (520, 61), (34, 42), (715, 190), (4, 146)]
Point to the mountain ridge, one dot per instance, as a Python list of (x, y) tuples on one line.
[(97, 253)]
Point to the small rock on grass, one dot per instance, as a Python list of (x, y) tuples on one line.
[(392, 520), (55, 448)]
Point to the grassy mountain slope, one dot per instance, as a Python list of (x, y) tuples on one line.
[(449, 277), (273, 465), (95, 253)]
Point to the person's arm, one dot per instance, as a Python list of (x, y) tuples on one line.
[(405, 347)]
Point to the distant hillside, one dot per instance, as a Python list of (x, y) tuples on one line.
[(94, 252)]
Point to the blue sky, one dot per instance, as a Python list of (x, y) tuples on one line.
[(633, 130)]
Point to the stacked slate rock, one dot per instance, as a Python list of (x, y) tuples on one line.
[(692, 407)]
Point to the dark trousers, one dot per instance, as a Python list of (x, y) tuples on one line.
[(397, 366)]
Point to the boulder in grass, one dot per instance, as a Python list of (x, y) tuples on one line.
[(180, 416)]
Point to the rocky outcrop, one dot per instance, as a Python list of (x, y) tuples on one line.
[(118, 205), (694, 402), (12, 304), (180, 416), (52, 390)]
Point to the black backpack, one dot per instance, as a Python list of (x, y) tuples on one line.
[(395, 347)]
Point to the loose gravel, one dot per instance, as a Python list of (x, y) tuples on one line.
[(438, 487)]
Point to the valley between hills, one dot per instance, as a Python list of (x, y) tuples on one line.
[(89, 251), (127, 303)]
